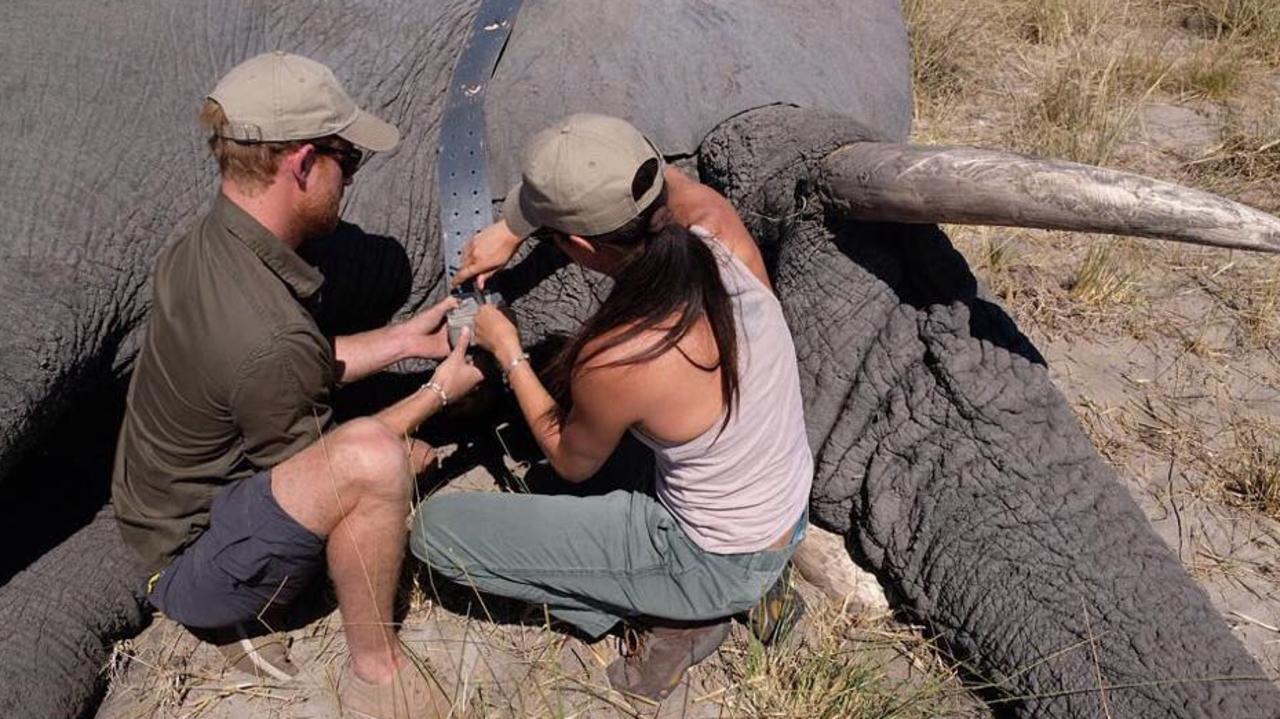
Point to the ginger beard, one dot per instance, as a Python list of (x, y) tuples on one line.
[(319, 210)]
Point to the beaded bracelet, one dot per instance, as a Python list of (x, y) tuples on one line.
[(435, 387), (524, 357)]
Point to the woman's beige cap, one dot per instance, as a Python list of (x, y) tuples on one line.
[(577, 178), (278, 97)]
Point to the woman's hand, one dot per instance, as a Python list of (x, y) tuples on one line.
[(489, 251), (496, 333), (456, 375)]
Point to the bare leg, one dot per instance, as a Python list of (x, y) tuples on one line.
[(365, 554), (354, 486)]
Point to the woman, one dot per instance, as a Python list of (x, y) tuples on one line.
[(690, 353)]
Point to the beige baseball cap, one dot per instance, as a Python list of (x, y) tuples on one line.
[(277, 97), (577, 178)]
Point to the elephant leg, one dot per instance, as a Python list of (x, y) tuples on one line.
[(59, 619), (960, 474)]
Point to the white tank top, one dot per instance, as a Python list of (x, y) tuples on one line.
[(738, 490)]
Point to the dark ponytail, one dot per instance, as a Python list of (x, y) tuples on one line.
[(671, 273)]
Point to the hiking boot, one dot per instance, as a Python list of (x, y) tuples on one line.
[(654, 661), (778, 611), (413, 694)]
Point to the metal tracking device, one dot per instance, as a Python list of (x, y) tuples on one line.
[(465, 314)]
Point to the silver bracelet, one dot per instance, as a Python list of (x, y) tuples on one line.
[(435, 387), (506, 372)]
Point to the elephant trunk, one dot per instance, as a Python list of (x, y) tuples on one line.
[(889, 182), (956, 470)]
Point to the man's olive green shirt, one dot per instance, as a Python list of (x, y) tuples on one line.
[(233, 377)]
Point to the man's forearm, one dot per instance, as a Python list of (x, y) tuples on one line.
[(363, 354), (405, 416)]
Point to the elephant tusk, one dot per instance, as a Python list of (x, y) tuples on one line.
[(961, 185)]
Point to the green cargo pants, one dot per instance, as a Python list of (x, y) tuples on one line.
[(591, 560)]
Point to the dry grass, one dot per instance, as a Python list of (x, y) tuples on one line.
[(839, 668), (1252, 24), (1053, 21), (1103, 278), (941, 67), (1246, 162), (1084, 105), (1260, 314), (843, 671), (1215, 72), (1249, 473), (1248, 294), (1212, 71), (995, 262)]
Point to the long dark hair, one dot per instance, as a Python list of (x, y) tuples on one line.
[(669, 272)]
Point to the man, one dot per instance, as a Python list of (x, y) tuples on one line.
[(230, 482)]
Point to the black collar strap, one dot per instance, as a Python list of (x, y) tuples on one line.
[(466, 202)]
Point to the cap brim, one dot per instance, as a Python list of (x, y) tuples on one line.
[(370, 133), (515, 218)]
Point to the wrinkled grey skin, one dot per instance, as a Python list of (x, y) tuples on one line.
[(946, 457)]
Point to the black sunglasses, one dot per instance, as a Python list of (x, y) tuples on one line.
[(349, 158)]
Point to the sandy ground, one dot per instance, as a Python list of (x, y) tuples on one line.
[(502, 659), (1234, 554)]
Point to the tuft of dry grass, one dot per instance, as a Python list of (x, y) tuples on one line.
[(1103, 278), (1084, 104), (1260, 316), (998, 254), (1141, 67), (830, 675), (1049, 22), (1251, 23), (1215, 72), (1250, 150), (997, 262), (939, 68), (1245, 165), (1249, 474)]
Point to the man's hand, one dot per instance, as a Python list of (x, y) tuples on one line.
[(425, 335), (455, 377), (489, 251), (456, 374)]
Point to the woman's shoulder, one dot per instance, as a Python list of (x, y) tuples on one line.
[(616, 347), (607, 373), (711, 217), (618, 350)]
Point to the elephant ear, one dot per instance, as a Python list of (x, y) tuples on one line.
[(960, 185)]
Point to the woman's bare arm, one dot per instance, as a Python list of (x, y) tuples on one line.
[(604, 402)]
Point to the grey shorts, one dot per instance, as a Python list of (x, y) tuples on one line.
[(252, 556)]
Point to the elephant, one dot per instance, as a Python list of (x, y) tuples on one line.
[(945, 456)]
